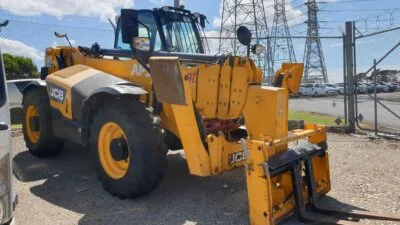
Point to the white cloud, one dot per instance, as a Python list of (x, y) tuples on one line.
[(20, 49), (102, 8), (213, 44)]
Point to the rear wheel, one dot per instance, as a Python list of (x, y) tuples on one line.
[(127, 149), (37, 125)]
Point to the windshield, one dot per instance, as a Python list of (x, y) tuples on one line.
[(167, 31), (180, 34)]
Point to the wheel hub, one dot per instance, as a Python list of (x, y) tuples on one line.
[(119, 149), (113, 150), (32, 123)]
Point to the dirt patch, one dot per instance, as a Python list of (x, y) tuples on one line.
[(365, 174), (16, 132)]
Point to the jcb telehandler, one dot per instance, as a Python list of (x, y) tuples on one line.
[(212, 106)]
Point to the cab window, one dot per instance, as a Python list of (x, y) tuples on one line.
[(147, 21)]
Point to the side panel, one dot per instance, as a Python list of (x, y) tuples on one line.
[(60, 83), (127, 69), (238, 91), (196, 155), (6, 187), (224, 90), (207, 90), (69, 88)]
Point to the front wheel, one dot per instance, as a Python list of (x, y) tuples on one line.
[(127, 149), (37, 125)]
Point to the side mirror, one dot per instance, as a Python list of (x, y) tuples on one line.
[(141, 43), (59, 35), (244, 35)]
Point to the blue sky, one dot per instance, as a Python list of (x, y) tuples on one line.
[(31, 27)]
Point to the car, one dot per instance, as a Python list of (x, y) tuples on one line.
[(313, 90), (330, 90), (384, 86), (339, 89), (397, 84), (364, 89), (15, 88), (340, 84), (369, 86), (392, 87), (8, 198), (379, 88)]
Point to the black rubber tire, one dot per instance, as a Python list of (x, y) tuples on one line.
[(146, 148), (48, 145)]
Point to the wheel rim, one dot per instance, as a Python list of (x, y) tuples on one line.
[(115, 169), (33, 135)]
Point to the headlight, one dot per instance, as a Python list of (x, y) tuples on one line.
[(257, 49)]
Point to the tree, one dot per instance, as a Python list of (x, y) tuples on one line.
[(18, 67)]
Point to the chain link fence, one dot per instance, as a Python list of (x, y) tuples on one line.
[(23, 43), (29, 39), (377, 76)]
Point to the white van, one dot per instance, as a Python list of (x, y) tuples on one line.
[(313, 90), (7, 197), (14, 90)]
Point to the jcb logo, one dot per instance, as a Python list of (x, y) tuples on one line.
[(236, 157), (56, 93)]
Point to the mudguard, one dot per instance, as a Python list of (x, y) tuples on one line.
[(34, 84), (76, 91)]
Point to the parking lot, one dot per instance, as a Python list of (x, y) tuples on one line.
[(64, 190)]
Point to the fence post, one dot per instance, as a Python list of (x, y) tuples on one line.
[(375, 101), (349, 51), (344, 79)]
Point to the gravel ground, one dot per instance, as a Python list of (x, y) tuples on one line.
[(64, 190)]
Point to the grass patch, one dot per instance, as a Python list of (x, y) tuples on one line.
[(311, 117), (16, 126)]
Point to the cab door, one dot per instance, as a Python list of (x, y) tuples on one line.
[(6, 193)]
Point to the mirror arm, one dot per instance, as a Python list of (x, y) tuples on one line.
[(112, 24)]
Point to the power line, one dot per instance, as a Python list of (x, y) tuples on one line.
[(314, 61), (236, 13), (346, 1), (282, 48), (356, 10)]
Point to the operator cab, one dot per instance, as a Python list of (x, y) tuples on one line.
[(165, 29)]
